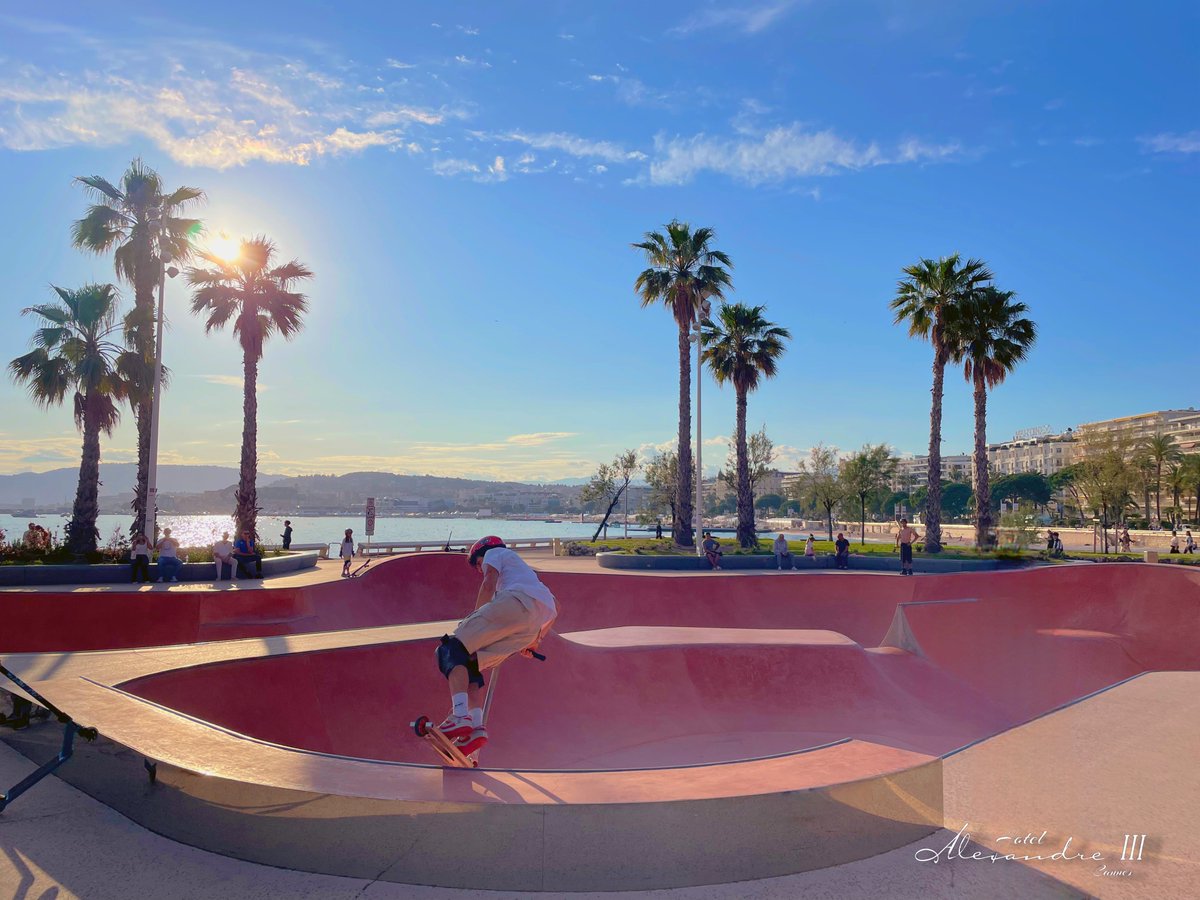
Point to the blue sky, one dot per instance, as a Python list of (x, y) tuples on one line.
[(465, 180)]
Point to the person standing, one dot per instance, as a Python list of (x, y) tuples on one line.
[(1174, 541), (139, 559), (168, 557), (1189, 542), (783, 556), (658, 530), (904, 540), (287, 534), (347, 552), (1125, 539), (842, 552), (810, 548)]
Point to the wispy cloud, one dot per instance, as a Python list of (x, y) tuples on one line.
[(780, 154), (538, 438), (746, 19), (396, 64), (259, 108), (468, 61), (574, 145), (1169, 142)]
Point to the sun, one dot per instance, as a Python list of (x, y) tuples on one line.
[(225, 248)]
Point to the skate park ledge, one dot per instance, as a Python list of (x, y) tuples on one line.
[(16, 576), (801, 563)]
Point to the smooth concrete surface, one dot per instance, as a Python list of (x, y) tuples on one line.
[(18, 576), (890, 674), (59, 844)]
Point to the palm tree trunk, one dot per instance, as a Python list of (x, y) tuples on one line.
[(745, 495), (246, 498), (829, 519), (1158, 492), (933, 498), (86, 508), (862, 537), (682, 531), (143, 415), (983, 499)]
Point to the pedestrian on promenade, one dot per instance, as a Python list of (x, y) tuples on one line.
[(1174, 541), (1057, 550), (513, 614), (1125, 539), (1189, 542), (783, 556), (712, 550), (904, 540), (347, 552), (139, 559), (223, 556), (810, 548), (168, 557), (287, 534), (842, 552), (245, 550), (658, 530)]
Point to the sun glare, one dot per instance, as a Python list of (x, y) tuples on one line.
[(225, 248)]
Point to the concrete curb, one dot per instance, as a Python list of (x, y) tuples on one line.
[(117, 573), (627, 561)]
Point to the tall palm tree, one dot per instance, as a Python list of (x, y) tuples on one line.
[(258, 297), (742, 347), (988, 333), (1160, 449), (75, 349), (684, 272), (140, 222), (921, 301)]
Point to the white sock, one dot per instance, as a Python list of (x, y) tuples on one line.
[(477, 717), (460, 703)]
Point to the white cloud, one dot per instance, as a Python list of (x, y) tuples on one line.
[(1087, 142), (537, 438), (468, 61), (396, 64), (397, 115), (779, 154), (563, 36), (1168, 142), (574, 145), (746, 19)]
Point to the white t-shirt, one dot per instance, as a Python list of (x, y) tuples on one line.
[(515, 575), (166, 548), (347, 551), (223, 549)]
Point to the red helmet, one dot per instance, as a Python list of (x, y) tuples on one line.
[(482, 546)]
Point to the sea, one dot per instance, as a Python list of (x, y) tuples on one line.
[(201, 531)]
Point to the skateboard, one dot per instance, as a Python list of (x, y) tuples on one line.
[(356, 572), (442, 745)]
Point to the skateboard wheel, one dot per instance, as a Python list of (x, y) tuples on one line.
[(421, 726)]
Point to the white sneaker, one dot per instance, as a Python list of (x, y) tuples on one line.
[(455, 727)]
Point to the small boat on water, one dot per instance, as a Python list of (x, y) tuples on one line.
[(552, 521)]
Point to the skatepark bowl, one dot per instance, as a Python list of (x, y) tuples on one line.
[(685, 729)]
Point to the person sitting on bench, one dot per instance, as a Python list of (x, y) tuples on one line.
[(244, 551)]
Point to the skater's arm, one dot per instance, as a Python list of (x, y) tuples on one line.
[(487, 589)]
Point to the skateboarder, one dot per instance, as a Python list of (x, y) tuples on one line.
[(513, 613), (904, 540)]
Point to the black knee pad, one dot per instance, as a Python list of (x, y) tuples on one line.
[(451, 654)]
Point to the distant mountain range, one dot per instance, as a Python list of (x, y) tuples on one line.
[(57, 486)]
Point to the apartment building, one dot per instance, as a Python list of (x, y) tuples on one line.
[(1044, 453), (1181, 424), (913, 471)]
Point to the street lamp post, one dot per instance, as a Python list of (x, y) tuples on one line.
[(705, 308), (156, 399)]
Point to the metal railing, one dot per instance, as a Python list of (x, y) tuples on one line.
[(388, 548)]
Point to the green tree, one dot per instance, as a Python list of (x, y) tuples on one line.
[(1191, 473), (142, 224), (662, 476), (922, 298), (741, 347), (609, 484), (1106, 478), (768, 502), (820, 482), (1161, 450), (1031, 486), (1068, 481), (685, 272), (260, 301), (987, 331), (76, 349), (865, 474)]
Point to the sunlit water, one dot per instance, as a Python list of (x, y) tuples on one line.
[(200, 531)]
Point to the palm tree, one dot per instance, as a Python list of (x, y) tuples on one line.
[(921, 301), (74, 350), (141, 222), (740, 347), (988, 333), (1160, 449), (260, 301), (684, 273)]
